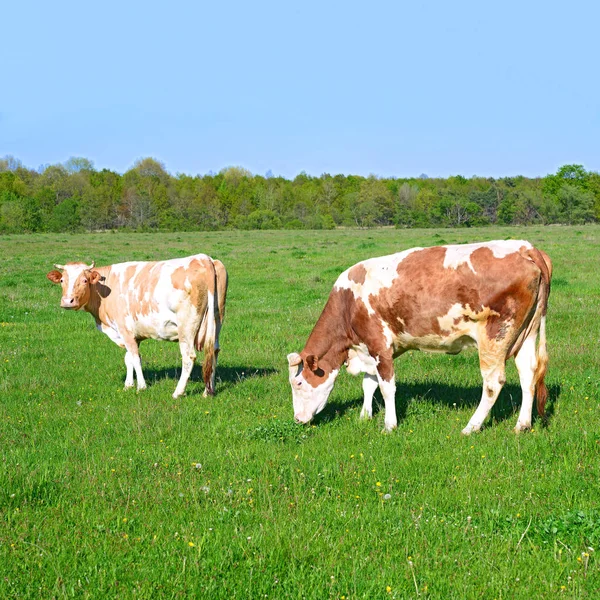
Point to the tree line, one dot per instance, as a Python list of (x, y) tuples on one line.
[(75, 196)]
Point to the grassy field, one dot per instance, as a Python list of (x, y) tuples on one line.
[(106, 493)]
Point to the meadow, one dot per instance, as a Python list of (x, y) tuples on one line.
[(106, 493)]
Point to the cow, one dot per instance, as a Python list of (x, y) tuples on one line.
[(174, 300), (493, 295)]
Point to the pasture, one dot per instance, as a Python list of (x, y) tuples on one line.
[(106, 493)]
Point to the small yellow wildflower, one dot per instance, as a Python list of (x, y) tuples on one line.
[(388, 589), (191, 544)]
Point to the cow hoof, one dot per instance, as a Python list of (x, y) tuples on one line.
[(128, 386), (521, 427), (389, 428), (141, 387), (365, 414), (469, 429)]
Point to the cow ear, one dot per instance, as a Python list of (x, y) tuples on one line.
[(312, 362), (95, 277), (54, 276)]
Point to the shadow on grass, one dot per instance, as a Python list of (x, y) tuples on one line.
[(434, 397), (226, 376)]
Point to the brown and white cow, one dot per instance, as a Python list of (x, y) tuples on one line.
[(175, 300), (492, 295)]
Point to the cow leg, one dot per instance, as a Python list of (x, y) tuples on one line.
[(369, 385), (387, 386), (129, 367), (188, 357), (388, 391), (133, 362), (526, 361), (493, 380)]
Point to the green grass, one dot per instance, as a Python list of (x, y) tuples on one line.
[(106, 493)]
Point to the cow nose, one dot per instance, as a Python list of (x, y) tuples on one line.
[(67, 302)]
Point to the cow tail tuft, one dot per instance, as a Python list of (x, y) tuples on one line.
[(541, 391)]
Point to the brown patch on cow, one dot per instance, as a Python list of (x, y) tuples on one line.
[(199, 275), (423, 291), (178, 278), (129, 273), (357, 273), (331, 337), (510, 285), (144, 284), (496, 293)]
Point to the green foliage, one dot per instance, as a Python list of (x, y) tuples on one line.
[(280, 431), (147, 197), (576, 205)]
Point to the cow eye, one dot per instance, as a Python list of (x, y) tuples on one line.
[(85, 281), (61, 280)]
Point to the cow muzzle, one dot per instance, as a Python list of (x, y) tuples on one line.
[(68, 303), (302, 419)]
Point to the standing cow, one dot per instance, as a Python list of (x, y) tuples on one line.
[(493, 295), (175, 300)]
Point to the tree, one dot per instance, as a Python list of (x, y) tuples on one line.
[(10, 163), (576, 204), (75, 164), (574, 175)]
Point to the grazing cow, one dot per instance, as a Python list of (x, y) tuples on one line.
[(175, 300), (492, 295)]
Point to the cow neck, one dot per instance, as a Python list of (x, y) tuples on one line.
[(97, 297), (331, 338)]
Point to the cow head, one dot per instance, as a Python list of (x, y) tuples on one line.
[(75, 279), (311, 385)]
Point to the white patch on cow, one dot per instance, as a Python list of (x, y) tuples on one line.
[(380, 274), (130, 323), (73, 272), (360, 361), (112, 331), (387, 334), (447, 321), (459, 254), (453, 337)]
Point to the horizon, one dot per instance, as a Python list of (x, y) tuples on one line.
[(269, 174)]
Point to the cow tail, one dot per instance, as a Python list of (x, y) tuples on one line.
[(209, 366), (222, 283), (545, 266)]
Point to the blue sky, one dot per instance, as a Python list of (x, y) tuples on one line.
[(390, 88)]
